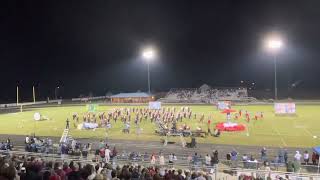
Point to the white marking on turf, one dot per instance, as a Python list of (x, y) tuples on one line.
[(248, 134), (308, 132), (278, 133)]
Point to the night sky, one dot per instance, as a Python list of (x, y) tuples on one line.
[(94, 46)]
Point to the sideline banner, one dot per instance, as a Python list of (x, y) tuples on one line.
[(92, 107), (285, 108), (155, 105), (222, 105)]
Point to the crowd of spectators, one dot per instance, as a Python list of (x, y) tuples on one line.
[(72, 147), (7, 145), (104, 153), (35, 168), (34, 144), (105, 165)]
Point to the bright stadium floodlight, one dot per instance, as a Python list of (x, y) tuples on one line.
[(149, 54), (274, 43)]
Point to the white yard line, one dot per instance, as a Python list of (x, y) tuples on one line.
[(278, 133), (308, 132)]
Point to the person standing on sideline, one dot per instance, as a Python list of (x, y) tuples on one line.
[(263, 154), (285, 156), (153, 159), (27, 141), (306, 157), (67, 123), (170, 159), (161, 160), (297, 156), (107, 154), (314, 158)]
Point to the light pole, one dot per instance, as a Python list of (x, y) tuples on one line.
[(274, 44), (275, 77), (149, 54), (56, 93)]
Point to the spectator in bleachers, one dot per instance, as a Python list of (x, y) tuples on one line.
[(114, 175), (208, 160), (107, 154), (58, 171), (161, 160), (215, 158), (153, 159)]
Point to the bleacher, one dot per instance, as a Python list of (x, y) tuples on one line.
[(206, 94)]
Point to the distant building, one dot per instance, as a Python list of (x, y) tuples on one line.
[(139, 97)]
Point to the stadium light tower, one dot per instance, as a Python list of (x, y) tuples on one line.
[(149, 54), (56, 89), (274, 45)]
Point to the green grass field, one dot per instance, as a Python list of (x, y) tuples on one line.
[(284, 131)]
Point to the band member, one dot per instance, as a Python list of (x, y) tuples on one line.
[(74, 116), (236, 117), (174, 126), (248, 118), (216, 133), (202, 118), (136, 120), (247, 114)]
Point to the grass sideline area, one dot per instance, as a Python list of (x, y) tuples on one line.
[(278, 131)]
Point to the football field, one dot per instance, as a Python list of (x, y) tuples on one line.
[(301, 130)]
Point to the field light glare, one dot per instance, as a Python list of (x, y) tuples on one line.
[(149, 53), (274, 44)]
